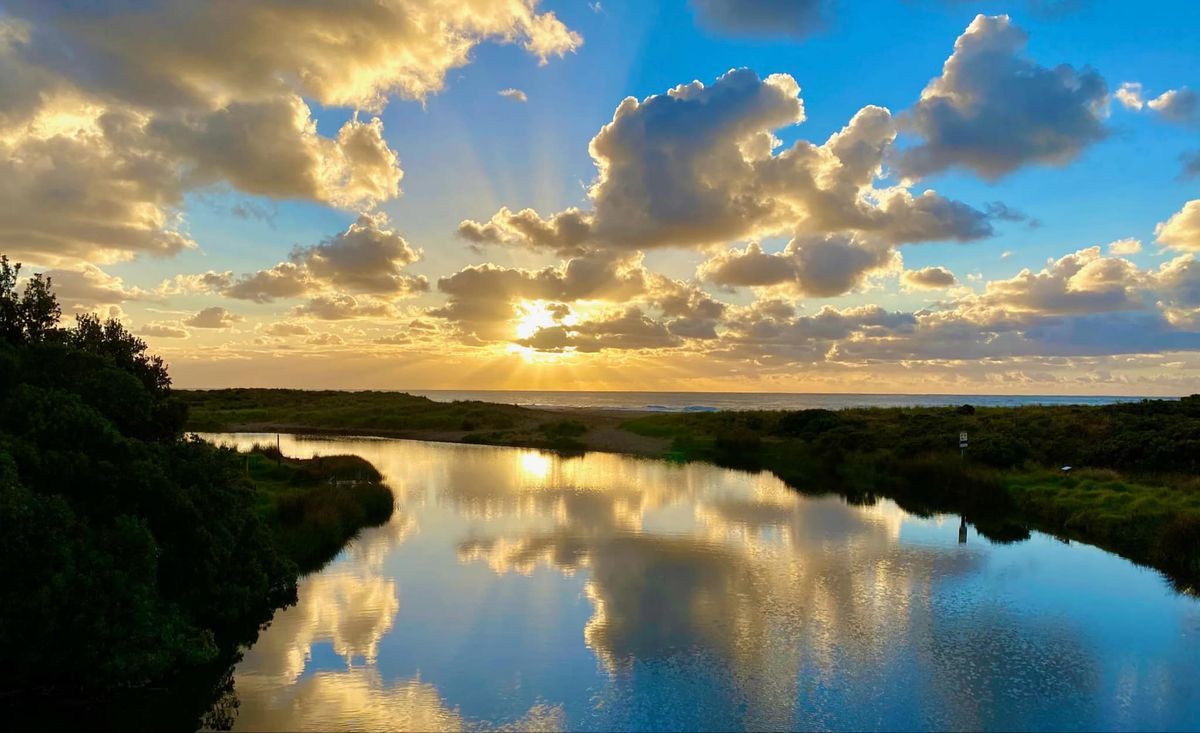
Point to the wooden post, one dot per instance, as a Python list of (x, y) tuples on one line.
[(278, 452)]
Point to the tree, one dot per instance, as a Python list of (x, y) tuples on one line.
[(10, 304), (29, 315), (39, 309)]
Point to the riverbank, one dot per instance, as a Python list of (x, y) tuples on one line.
[(314, 506), (1133, 488)]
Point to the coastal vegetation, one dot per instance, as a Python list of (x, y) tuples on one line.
[(133, 556), (1133, 487), (1125, 477), (315, 505), (387, 414)]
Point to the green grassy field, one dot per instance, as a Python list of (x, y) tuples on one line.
[(378, 412), (392, 414)]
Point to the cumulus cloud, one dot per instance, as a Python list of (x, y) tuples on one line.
[(565, 233), (1177, 105), (205, 282), (285, 280), (482, 298), (629, 329), (325, 339), (1082, 282), (272, 148), (994, 109), (1181, 106), (699, 166), (769, 331), (810, 266), (213, 317), (1127, 246), (110, 114), (284, 329), (1081, 304), (367, 258), (348, 54), (87, 190), (795, 18), (514, 94), (1131, 95), (1182, 230), (928, 278), (341, 307), (158, 329), (90, 288)]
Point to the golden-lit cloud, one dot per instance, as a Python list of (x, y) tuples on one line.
[(699, 166), (110, 114), (1182, 230)]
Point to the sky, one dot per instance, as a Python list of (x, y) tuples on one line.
[(932, 196)]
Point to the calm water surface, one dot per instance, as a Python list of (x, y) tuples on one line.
[(516, 589)]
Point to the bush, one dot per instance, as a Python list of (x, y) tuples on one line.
[(738, 443)]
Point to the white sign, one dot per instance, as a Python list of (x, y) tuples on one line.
[(962, 439)]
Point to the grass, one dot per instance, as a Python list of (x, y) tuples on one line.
[(316, 505), (392, 414), (1157, 525), (376, 412)]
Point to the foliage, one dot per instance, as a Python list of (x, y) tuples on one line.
[(130, 553), (316, 505)]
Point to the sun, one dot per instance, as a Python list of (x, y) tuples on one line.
[(534, 316)]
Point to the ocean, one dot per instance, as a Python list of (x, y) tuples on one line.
[(712, 401)]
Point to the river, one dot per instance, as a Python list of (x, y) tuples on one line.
[(515, 589)]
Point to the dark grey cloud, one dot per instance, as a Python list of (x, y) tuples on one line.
[(630, 329), (1181, 106), (1003, 212), (367, 258), (1191, 164), (928, 278), (213, 317), (811, 266), (794, 18), (994, 110)]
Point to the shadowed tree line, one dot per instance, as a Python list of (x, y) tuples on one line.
[(131, 554)]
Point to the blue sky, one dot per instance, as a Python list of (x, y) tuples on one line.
[(466, 152)]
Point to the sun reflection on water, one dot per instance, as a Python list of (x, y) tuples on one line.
[(766, 599)]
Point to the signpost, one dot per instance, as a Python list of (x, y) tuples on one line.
[(962, 444)]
